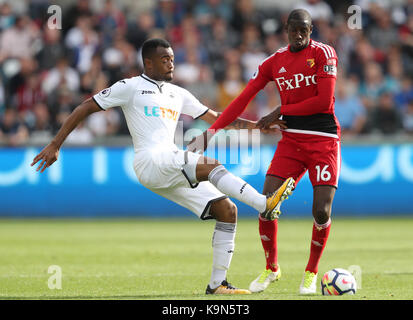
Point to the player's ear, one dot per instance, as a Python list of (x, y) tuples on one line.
[(148, 63), (311, 29)]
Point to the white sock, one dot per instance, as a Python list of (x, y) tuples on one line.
[(223, 244), (237, 188)]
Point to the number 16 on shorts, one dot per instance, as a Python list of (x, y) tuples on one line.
[(322, 173)]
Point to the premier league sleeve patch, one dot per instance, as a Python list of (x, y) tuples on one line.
[(330, 67), (105, 93)]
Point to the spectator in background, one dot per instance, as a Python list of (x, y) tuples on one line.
[(27, 95), (405, 94), (372, 85), (272, 43), (186, 38), (394, 73), (406, 40), (27, 66), (205, 88), (252, 51), (104, 124), (38, 10), (2, 97), (207, 11), (62, 75), (138, 30), (189, 70), (362, 54), (82, 135), (94, 80), (118, 57), (244, 13), (268, 99), (12, 131), (232, 57), (111, 22), (61, 103), (169, 13), (83, 41), (385, 117), (218, 41), (346, 42), (19, 41), (41, 122), (7, 17), (52, 48), (75, 10), (408, 118), (383, 34), (231, 87), (349, 110)]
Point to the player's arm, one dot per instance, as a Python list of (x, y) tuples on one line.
[(223, 120), (51, 152), (226, 118), (318, 104), (212, 116), (116, 95), (235, 108)]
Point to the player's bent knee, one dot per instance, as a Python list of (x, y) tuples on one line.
[(225, 211)]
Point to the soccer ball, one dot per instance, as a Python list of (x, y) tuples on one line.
[(337, 282)]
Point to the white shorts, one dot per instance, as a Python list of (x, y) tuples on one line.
[(161, 171)]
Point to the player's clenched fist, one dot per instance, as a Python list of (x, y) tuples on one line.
[(47, 157), (271, 119), (200, 143)]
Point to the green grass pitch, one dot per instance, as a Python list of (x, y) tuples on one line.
[(171, 259)]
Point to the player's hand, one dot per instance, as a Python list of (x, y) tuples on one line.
[(47, 156), (200, 143), (270, 120)]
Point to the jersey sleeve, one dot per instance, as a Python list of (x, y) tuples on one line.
[(320, 103), (327, 62), (263, 74), (191, 105), (116, 95)]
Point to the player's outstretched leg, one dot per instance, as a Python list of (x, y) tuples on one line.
[(235, 187), (322, 203), (223, 244)]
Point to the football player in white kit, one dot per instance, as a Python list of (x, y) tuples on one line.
[(152, 107)]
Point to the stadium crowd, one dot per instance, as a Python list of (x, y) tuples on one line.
[(218, 44)]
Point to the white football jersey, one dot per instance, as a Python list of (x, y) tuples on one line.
[(151, 109)]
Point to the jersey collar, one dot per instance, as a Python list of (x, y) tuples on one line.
[(159, 84)]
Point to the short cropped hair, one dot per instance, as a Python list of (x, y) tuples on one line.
[(300, 15), (149, 47)]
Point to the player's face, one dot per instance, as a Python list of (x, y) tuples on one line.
[(163, 64), (299, 34)]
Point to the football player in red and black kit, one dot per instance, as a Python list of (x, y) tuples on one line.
[(305, 75)]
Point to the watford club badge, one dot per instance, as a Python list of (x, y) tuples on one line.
[(310, 62)]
